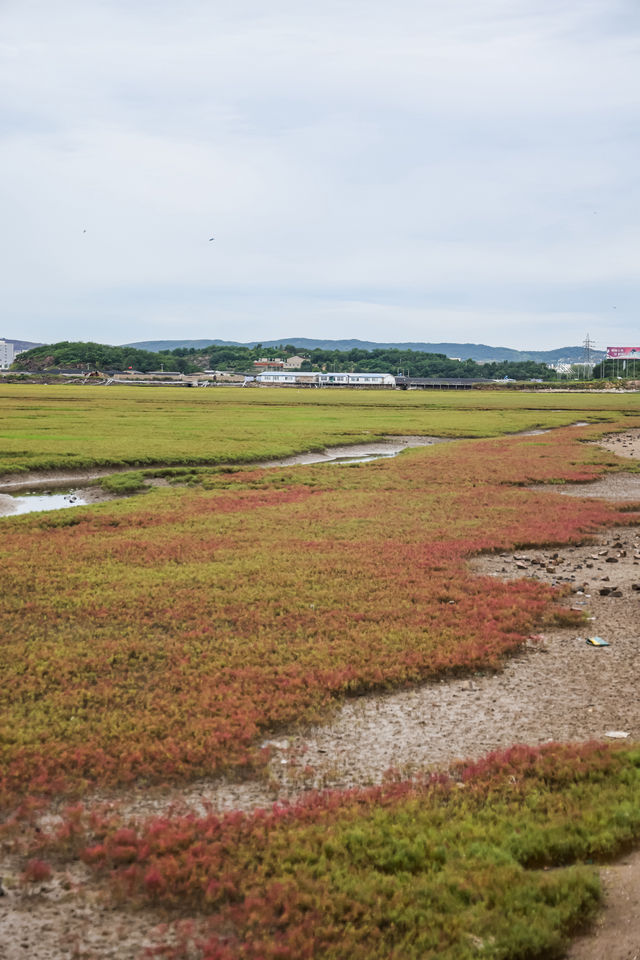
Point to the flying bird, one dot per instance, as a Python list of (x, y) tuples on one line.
[(211, 238)]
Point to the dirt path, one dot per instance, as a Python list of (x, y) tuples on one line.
[(559, 687), (615, 935)]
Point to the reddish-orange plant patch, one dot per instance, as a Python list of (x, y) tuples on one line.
[(159, 639)]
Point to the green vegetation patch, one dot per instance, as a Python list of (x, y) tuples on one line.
[(124, 484), (490, 861), (75, 427)]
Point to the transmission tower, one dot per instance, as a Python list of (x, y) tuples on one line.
[(588, 346)]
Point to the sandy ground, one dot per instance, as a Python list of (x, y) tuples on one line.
[(558, 688)]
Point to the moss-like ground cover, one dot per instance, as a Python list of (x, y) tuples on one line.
[(491, 861), (157, 639)]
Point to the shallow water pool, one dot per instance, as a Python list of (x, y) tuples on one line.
[(13, 506)]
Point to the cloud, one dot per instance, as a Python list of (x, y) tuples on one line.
[(418, 157)]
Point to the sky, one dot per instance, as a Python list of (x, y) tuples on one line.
[(422, 170)]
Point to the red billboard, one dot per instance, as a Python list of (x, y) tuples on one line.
[(623, 353)]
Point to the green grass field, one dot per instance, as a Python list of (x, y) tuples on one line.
[(46, 427)]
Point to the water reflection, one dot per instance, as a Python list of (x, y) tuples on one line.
[(13, 506), (345, 461)]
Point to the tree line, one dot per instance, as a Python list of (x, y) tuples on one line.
[(412, 363), (100, 356)]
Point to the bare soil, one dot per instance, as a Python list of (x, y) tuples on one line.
[(615, 934), (559, 687)]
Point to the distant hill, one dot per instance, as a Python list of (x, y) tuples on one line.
[(19, 345), (465, 351)]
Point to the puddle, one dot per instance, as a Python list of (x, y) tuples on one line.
[(356, 453), (13, 506), (536, 432), (342, 461)]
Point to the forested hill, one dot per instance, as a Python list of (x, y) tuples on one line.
[(241, 359), (413, 363), (99, 356), (464, 351)]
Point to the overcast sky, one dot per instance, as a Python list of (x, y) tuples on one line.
[(434, 170)]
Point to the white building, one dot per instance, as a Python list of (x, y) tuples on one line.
[(7, 354), (357, 379), (327, 379)]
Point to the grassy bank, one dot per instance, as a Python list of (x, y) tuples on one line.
[(69, 427)]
